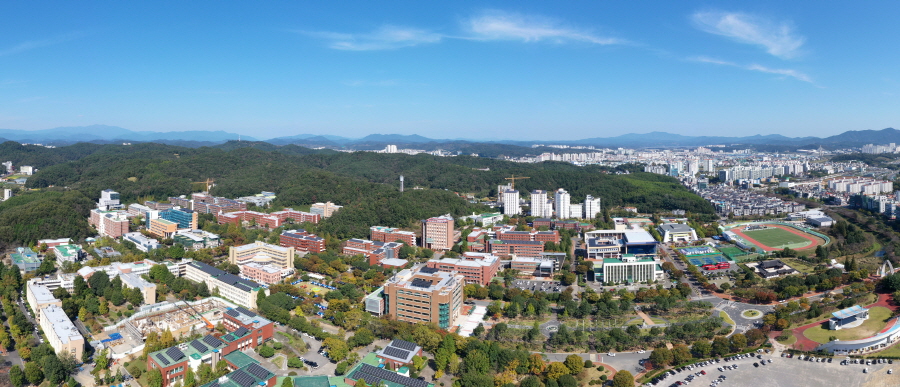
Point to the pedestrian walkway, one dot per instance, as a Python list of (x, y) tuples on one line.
[(472, 321)]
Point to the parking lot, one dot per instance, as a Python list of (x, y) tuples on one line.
[(784, 372)]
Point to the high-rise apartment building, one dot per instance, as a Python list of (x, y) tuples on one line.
[(425, 295), (438, 232), (562, 201), (540, 205), (511, 202), (591, 207)]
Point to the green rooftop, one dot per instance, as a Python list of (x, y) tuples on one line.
[(240, 359), (68, 250), (311, 381)]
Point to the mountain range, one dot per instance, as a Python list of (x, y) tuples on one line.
[(114, 134)]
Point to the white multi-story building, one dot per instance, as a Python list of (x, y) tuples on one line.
[(61, 332), (109, 200), (576, 210), (591, 207), (511, 202), (500, 190), (540, 205), (562, 202)]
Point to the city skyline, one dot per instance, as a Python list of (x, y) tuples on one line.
[(460, 70)]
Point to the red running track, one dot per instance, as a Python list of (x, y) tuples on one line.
[(805, 344), (740, 232)]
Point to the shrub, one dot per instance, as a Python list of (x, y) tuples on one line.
[(588, 364)]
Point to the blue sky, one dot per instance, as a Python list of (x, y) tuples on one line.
[(483, 70)]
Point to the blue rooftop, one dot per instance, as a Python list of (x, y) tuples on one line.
[(849, 312)]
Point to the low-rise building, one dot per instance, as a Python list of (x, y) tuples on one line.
[(260, 328), (196, 239), (628, 269), (510, 248), (265, 274), (262, 253), (26, 259), (391, 234), (68, 253), (39, 296), (162, 228), (477, 268), (677, 233), (399, 353), (61, 332), (425, 295), (302, 241), (375, 252), (134, 281), (52, 243), (240, 291), (141, 242), (325, 210)]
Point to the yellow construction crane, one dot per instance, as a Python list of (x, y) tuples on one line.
[(514, 178), (207, 182)]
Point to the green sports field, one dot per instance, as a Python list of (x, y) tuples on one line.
[(775, 237)]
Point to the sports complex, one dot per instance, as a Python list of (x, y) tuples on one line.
[(771, 236)]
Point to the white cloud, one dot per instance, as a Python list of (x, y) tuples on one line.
[(778, 38), (384, 38), (755, 67), (497, 25), (33, 44)]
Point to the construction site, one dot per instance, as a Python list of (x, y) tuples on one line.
[(181, 318)]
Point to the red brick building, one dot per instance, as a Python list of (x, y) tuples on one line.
[(517, 248), (273, 220), (477, 268), (390, 234), (301, 240), (260, 329)]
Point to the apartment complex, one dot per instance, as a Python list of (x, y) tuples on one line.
[(562, 202), (262, 253), (238, 290), (391, 234), (425, 295), (540, 204), (591, 207), (511, 202), (302, 241), (476, 268), (113, 224), (438, 232)]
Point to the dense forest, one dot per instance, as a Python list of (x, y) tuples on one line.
[(365, 183)]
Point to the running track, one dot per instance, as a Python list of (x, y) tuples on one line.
[(740, 232)]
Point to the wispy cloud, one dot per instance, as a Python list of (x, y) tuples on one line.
[(755, 67), (778, 38), (33, 44), (385, 38), (496, 25), (487, 26)]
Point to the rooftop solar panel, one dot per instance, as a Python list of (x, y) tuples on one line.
[(396, 352), (212, 341), (403, 344), (378, 374), (162, 359), (241, 331), (199, 346), (245, 311), (258, 371), (429, 270), (174, 353), (232, 313)]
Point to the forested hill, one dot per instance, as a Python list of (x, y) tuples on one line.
[(366, 183)]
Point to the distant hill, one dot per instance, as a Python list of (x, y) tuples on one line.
[(103, 134)]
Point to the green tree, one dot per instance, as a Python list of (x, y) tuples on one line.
[(287, 383), (477, 362), (574, 363), (53, 369), (16, 376), (661, 357), (623, 379), (190, 379), (33, 373), (154, 378), (267, 351)]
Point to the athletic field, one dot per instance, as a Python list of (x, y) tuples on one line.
[(777, 237)]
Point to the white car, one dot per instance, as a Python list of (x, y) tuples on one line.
[(611, 354), (642, 351)]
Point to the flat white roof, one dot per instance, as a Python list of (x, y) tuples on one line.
[(41, 293), (62, 326)]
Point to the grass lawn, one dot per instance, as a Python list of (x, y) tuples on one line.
[(750, 313), (876, 322), (799, 265), (592, 374), (893, 351), (726, 317), (791, 339), (775, 237), (279, 360)]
